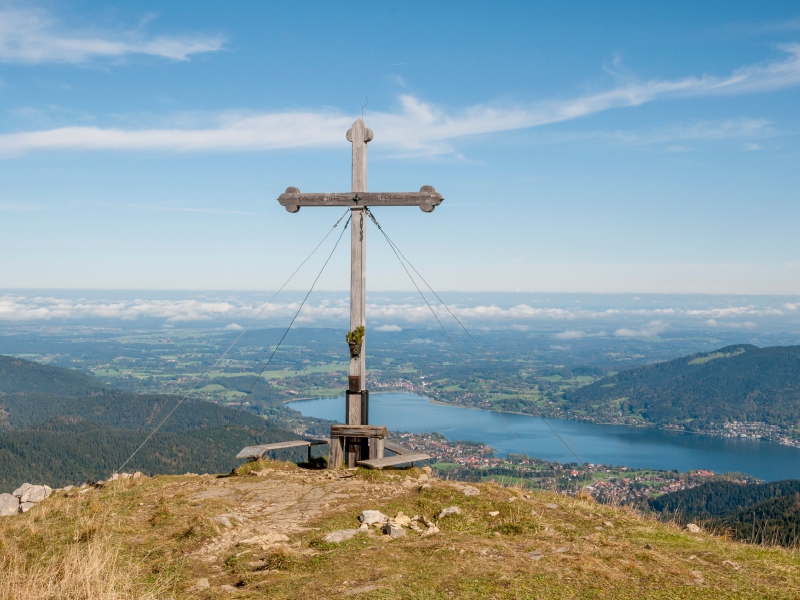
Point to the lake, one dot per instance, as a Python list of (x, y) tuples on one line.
[(603, 444)]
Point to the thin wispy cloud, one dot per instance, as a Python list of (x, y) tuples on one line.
[(417, 126), (32, 35)]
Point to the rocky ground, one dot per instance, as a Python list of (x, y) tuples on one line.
[(273, 530)]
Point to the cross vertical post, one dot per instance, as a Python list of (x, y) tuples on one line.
[(358, 396)]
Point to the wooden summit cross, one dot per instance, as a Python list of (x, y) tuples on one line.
[(362, 443)]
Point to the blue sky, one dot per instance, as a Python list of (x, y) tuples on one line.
[(592, 147)]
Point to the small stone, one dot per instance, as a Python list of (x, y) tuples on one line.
[(202, 584), (227, 588), (428, 471), (402, 520), (526, 496), (393, 530), (67, 488), (648, 547), (494, 513), (364, 527), (450, 510), (692, 528), (26, 506), (337, 537), (512, 499), (551, 505), (431, 530), (535, 555), (422, 477), (9, 505), (561, 550), (137, 474), (372, 516), (114, 477), (224, 521), (608, 523), (470, 490), (425, 486), (732, 565)]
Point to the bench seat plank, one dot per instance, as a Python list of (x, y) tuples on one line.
[(390, 461), (258, 451)]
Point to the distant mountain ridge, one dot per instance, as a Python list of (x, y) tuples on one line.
[(740, 382), (63, 427)]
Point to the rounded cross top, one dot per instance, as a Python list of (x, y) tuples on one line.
[(359, 132)]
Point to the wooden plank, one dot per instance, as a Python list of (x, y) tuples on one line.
[(335, 453), (397, 448), (258, 451), (391, 461), (427, 199), (368, 431)]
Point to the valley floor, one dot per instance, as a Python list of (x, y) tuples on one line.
[(260, 533)]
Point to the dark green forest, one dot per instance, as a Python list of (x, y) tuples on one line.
[(759, 513), (741, 382), (87, 432), (22, 376)]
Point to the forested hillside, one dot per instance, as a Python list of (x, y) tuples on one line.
[(742, 382), (759, 513), (24, 376), (88, 431)]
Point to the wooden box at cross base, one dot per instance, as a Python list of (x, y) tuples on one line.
[(358, 443)]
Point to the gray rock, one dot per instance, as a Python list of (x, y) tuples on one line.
[(551, 505), (227, 588), (337, 537), (9, 505), (535, 555), (202, 584), (393, 530), (67, 488), (450, 510), (21, 490), (372, 516), (36, 493), (224, 521), (470, 490), (26, 506), (692, 528)]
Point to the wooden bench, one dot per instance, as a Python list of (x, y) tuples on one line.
[(256, 452)]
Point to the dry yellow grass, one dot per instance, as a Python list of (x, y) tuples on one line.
[(157, 538)]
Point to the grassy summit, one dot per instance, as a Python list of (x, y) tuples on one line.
[(260, 534)]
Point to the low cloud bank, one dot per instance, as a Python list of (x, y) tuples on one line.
[(390, 314)]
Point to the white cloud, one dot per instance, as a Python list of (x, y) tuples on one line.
[(732, 325), (570, 335), (30, 35), (652, 329), (418, 126), (234, 327), (395, 315)]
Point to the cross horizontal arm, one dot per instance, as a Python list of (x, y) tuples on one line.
[(427, 199)]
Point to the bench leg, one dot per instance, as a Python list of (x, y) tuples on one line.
[(335, 453), (375, 448)]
